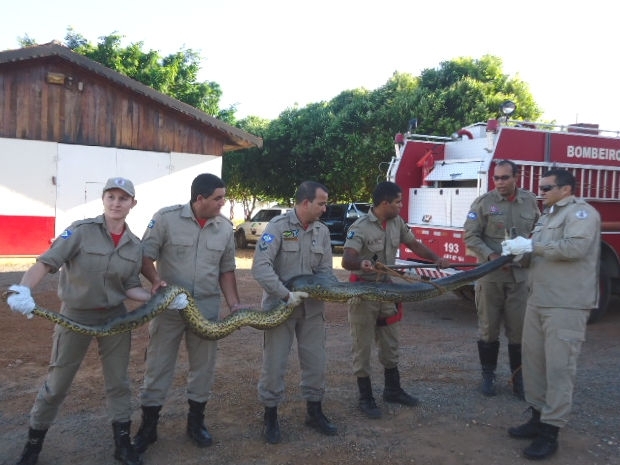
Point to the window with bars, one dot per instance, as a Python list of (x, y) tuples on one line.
[(592, 183)]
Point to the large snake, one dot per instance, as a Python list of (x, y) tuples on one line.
[(318, 287)]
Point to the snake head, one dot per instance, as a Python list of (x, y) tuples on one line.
[(6, 294)]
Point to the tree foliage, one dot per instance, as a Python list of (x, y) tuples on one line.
[(238, 170), (347, 143)]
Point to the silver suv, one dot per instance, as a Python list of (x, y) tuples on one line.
[(249, 232)]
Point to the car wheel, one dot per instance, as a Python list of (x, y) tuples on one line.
[(240, 240)]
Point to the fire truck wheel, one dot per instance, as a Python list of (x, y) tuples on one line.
[(603, 298)]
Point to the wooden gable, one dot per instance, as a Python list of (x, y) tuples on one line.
[(49, 93)]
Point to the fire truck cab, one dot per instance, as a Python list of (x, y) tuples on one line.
[(441, 177)]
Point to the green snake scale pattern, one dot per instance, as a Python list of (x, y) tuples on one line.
[(316, 286)]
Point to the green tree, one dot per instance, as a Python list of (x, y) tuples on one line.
[(241, 171), (465, 90), (347, 143)]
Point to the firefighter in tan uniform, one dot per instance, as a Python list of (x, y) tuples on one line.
[(565, 256), (376, 238), (193, 246), (501, 295), (293, 244), (99, 261)]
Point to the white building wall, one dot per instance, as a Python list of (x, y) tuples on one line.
[(66, 181), (27, 177)]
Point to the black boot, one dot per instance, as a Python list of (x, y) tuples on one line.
[(367, 402), (393, 392), (124, 451), (317, 420), (272, 427), (31, 451), (488, 352), (196, 428), (545, 444), (147, 434), (514, 355), (528, 430)]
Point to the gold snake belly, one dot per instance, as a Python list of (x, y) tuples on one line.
[(159, 303), (318, 287)]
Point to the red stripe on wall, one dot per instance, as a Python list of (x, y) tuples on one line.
[(25, 235)]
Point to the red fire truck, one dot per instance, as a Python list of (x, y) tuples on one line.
[(441, 177)]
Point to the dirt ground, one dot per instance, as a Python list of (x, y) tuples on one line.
[(454, 424)]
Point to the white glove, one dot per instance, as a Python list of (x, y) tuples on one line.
[(179, 302), (295, 298), (20, 300), (517, 246)]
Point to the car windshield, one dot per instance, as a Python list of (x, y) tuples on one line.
[(265, 215), (334, 212), (363, 207)]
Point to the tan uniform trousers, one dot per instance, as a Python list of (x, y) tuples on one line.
[(498, 302), (68, 351), (310, 333), (364, 331), (552, 339), (166, 331)]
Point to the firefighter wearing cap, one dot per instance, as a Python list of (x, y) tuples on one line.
[(500, 295), (376, 238), (99, 261), (565, 255)]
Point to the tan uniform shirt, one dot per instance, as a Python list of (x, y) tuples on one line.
[(372, 242), (188, 255), (94, 273), (490, 220), (287, 250), (566, 255)]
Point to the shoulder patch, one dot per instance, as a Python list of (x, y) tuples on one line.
[(350, 234), (66, 234), (581, 214), (151, 224), (472, 216), (265, 240)]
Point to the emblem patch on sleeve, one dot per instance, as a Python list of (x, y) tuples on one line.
[(66, 234), (472, 216)]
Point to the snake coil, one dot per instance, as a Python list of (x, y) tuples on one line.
[(317, 286)]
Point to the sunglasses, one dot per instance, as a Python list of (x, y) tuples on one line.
[(505, 177), (548, 187)]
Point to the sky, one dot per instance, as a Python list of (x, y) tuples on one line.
[(270, 55)]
